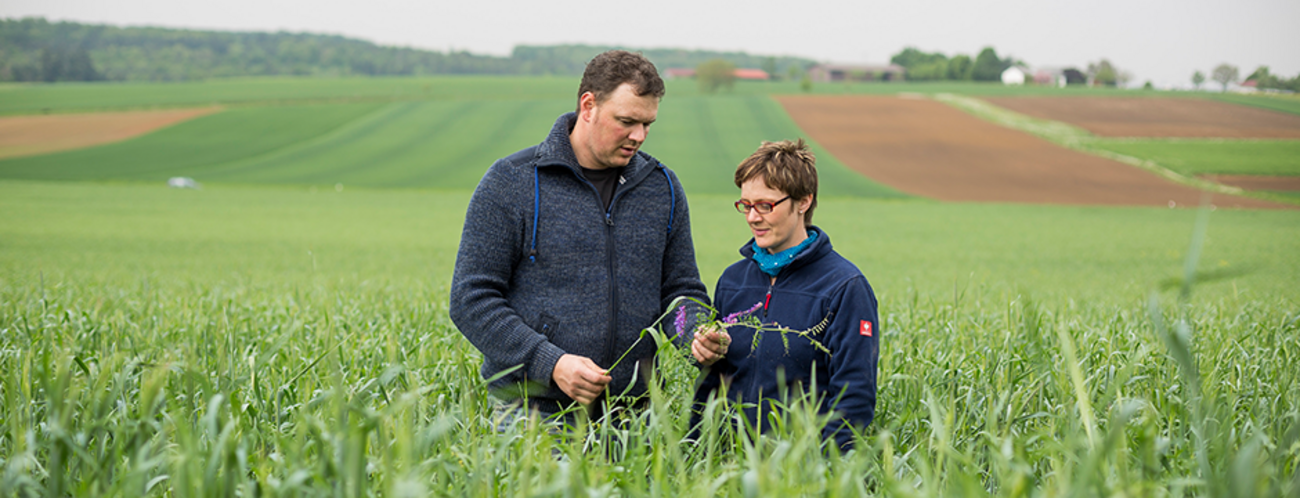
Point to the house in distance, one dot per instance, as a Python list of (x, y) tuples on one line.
[(831, 73)]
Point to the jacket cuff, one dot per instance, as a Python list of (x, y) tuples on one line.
[(543, 364)]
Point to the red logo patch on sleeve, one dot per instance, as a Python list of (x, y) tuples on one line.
[(865, 328)]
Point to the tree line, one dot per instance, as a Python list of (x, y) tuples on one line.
[(1225, 74), (572, 59), (1264, 80), (923, 66), (988, 66), (34, 49)]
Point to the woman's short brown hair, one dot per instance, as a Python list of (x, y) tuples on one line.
[(786, 166)]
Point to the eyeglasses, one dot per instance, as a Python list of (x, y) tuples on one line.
[(763, 207)]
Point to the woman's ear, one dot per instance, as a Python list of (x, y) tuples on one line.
[(804, 204)]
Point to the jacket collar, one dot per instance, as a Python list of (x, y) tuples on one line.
[(818, 249), (556, 150)]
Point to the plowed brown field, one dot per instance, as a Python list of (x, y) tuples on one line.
[(927, 148), (1157, 117), (28, 135)]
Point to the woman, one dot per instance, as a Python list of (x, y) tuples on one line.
[(792, 277)]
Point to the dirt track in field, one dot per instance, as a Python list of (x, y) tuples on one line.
[(29, 135), (1258, 182), (1157, 117), (930, 149)]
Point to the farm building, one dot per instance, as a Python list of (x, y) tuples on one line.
[(1048, 76), (1045, 76), (182, 182), (673, 73), (1074, 77), (827, 73), (1014, 76), (1248, 86)]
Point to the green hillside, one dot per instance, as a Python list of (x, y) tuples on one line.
[(444, 144), (435, 144), (82, 97), (442, 132), (191, 147), (88, 97)]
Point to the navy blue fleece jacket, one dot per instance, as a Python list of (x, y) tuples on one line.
[(578, 279), (818, 285)]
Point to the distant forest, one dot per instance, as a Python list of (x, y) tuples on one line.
[(34, 49)]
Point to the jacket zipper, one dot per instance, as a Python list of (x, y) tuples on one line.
[(611, 335), (768, 300)]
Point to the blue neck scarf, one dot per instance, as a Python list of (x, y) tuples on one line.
[(772, 264)]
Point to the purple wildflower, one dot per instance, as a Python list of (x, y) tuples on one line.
[(680, 321), (737, 315)]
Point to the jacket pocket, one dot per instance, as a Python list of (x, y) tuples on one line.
[(547, 325)]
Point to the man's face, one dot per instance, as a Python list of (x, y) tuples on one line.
[(618, 126)]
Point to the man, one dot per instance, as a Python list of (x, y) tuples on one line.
[(572, 246)]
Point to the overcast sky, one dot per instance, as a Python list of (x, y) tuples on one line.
[(1159, 40)]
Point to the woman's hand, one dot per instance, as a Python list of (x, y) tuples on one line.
[(710, 344)]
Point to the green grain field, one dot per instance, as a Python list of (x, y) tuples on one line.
[(1281, 103), (1194, 157), (272, 335), (85, 97), (437, 143), (1225, 157)]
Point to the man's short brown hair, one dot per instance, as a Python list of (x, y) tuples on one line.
[(786, 166), (610, 69)]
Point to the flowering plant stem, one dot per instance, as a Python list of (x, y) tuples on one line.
[(709, 318)]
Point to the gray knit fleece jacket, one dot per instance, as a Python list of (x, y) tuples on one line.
[(581, 280)]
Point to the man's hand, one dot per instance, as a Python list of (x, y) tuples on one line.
[(710, 345), (580, 378)]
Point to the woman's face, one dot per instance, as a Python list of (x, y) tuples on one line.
[(780, 229)]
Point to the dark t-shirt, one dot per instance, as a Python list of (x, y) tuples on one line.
[(605, 180)]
